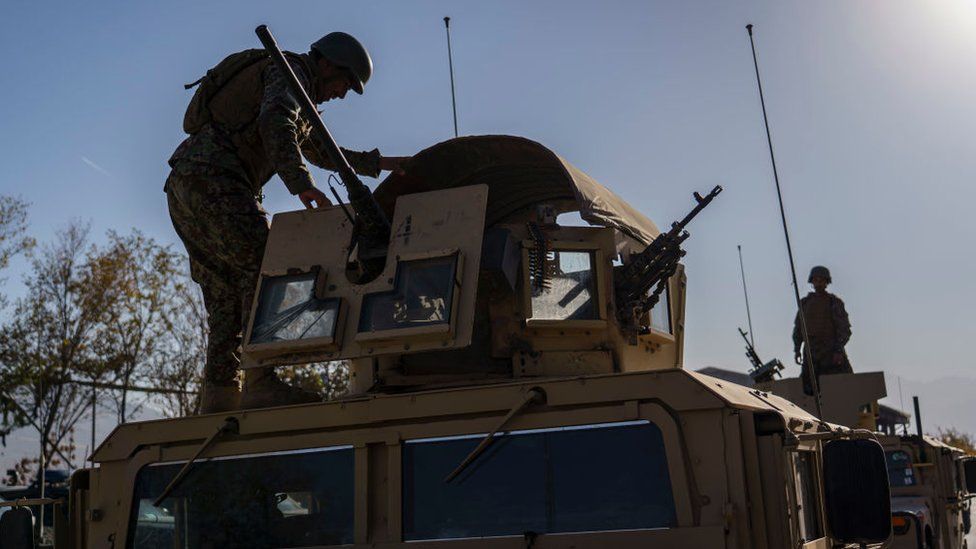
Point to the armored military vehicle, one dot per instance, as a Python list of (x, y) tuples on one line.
[(931, 492), (498, 397), (515, 382)]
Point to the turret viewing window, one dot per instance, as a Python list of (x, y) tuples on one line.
[(288, 310), (563, 285), (423, 295)]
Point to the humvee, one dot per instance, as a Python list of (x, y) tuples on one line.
[(498, 398), (930, 489), (515, 382)]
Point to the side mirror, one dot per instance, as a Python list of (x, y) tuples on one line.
[(969, 467), (17, 528), (856, 492)]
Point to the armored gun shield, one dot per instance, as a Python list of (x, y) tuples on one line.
[(307, 308)]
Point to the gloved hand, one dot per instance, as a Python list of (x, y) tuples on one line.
[(797, 357)]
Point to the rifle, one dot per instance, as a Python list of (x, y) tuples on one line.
[(653, 267), (761, 373), (373, 228)]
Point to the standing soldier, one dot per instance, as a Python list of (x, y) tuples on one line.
[(245, 126), (829, 329)]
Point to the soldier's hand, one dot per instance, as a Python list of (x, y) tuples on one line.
[(797, 357), (314, 198), (392, 163)]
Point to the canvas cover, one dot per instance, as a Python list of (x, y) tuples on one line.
[(519, 173)]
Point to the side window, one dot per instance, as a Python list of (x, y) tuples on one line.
[(423, 295), (807, 496), (299, 499), (591, 478), (900, 472), (563, 285)]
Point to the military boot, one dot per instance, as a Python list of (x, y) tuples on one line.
[(216, 398), (263, 389)]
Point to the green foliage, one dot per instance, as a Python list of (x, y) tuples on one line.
[(330, 379), (13, 229)]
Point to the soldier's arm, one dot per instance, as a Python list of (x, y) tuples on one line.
[(797, 332), (842, 324), (278, 126), (362, 162)]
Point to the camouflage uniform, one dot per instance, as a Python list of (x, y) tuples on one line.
[(829, 329), (214, 191)]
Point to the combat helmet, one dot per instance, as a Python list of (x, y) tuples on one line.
[(345, 51), (819, 270)]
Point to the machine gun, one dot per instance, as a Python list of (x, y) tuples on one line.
[(761, 373), (372, 226), (652, 268)]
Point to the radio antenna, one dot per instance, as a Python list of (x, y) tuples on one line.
[(450, 64), (807, 355), (745, 291)]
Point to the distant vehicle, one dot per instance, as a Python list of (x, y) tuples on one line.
[(932, 483)]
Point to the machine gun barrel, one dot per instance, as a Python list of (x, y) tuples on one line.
[(657, 262), (751, 353), (374, 225)]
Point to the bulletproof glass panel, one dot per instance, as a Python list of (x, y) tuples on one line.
[(423, 295), (807, 496), (856, 494), (299, 499), (900, 471), (564, 286), (571, 479), (661, 313), (969, 467), (288, 310)]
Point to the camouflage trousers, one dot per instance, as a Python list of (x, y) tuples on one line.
[(224, 228), (823, 362)]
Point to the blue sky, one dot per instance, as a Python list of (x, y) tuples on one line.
[(871, 107)]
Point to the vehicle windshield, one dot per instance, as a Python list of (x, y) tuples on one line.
[(900, 472), (298, 499), (569, 479)]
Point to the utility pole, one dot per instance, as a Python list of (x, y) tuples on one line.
[(807, 355), (450, 64)]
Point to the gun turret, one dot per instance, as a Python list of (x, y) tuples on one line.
[(373, 228), (761, 373), (653, 267)]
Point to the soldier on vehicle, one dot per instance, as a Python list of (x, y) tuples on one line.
[(245, 126), (829, 329)]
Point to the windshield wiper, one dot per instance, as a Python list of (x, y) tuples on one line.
[(534, 396), (229, 426)]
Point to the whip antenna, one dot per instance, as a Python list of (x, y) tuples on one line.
[(745, 291), (450, 64), (807, 355)]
